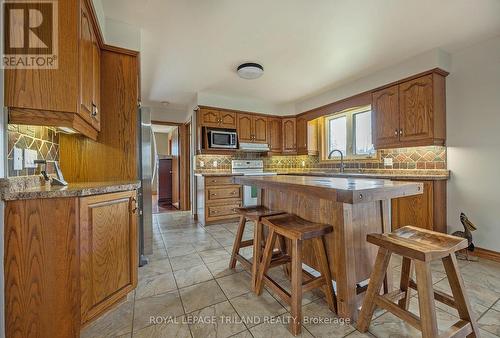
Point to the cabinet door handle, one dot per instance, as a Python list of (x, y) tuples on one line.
[(396, 132), (233, 192), (400, 131), (133, 205), (95, 111)]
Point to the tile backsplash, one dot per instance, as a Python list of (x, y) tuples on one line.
[(45, 140), (432, 157)]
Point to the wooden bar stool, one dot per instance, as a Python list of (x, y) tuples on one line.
[(296, 230), (419, 247), (254, 214)]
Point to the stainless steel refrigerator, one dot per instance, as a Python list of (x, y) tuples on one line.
[(146, 145)]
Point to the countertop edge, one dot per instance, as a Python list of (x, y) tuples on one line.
[(93, 188)]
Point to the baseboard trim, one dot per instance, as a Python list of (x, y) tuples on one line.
[(486, 254)]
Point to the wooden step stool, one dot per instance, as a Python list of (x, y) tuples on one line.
[(296, 230), (419, 247), (254, 214)]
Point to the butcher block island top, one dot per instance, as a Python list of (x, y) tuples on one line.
[(355, 207), (339, 189)]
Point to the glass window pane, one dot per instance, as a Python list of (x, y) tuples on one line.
[(363, 133), (338, 134)]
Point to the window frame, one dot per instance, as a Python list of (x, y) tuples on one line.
[(350, 134)]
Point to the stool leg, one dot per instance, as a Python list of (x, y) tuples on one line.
[(266, 261), (282, 244), (404, 284), (376, 280), (257, 251), (296, 306), (426, 304), (458, 291), (237, 242), (331, 298)]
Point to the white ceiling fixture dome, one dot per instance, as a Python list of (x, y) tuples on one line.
[(250, 70)]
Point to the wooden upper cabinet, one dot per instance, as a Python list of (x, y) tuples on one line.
[(289, 135), (228, 120), (259, 129), (245, 132), (252, 128), (385, 116), (67, 96), (301, 136), (411, 113), (274, 132), (416, 109), (108, 250), (217, 118)]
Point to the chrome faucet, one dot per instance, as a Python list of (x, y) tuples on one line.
[(341, 158)]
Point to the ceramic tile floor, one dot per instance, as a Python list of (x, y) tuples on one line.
[(187, 290)]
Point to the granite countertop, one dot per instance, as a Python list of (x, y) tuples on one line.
[(386, 174), (215, 173), (17, 189), (340, 189)]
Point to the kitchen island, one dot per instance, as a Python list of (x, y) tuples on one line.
[(354, 207)]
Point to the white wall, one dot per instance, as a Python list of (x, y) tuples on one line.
[(99, 10), (122, 34), (473, 139), (245, 104), (417, 64)]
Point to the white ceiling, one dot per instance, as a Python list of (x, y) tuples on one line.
[(159, 128), (306, 47)]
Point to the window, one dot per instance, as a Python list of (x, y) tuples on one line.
[(350, 132)]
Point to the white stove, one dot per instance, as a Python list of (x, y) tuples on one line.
[(251, 195)]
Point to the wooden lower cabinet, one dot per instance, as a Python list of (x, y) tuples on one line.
[(217, 198), (427, 210), (108, 251), (67, 260)]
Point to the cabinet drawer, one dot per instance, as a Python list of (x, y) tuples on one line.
[(219, 180), (216, 211), (223, 193)]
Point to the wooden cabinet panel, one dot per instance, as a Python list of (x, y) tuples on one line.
[(220, 212), (245, 130), (414, 210), (55, 89), (222, 180), (274, 137), (385, 116), (312, 137), (209, 117), (227, 120), (289, 135), (301, 136), (416, 109), (259, 125), (96, 97), (223, 192), (108, 250), (86, 64), (41, 268)]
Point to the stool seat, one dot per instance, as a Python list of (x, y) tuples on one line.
[(418, 243), (257, 212), (293, 227)]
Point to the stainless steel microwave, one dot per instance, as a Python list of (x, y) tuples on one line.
[(222, 139)]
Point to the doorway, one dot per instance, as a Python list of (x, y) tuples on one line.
[(170, 157)]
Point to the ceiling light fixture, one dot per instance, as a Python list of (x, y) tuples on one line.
[(250, 70)]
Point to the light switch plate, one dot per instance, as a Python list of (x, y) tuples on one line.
[(202, 164), (29, 158), (388, 161), (214, 164), (18, 158)]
